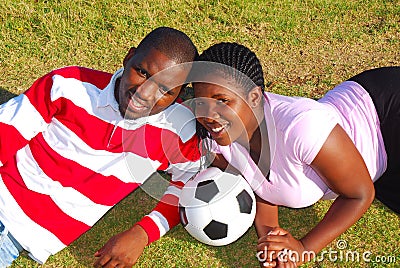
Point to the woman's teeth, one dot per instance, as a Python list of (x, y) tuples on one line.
[(218, 129)]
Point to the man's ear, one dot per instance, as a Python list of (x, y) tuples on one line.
[(128, 56), (255, 97)]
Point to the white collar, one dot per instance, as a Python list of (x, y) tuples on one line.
[(107, 97)]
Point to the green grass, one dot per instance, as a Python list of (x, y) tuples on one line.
[(306, 47)]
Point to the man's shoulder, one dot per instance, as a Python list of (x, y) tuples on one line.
[(99, 78)]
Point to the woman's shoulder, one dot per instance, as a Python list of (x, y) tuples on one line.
[(290, 111), (302, 125)]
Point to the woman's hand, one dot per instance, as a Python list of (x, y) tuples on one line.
[(280, 249)]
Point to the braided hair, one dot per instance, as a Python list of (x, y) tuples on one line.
[(239, 58), (235, 61)]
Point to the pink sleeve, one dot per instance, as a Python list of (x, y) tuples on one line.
[(308, 132)]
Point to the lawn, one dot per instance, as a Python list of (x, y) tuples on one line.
[(306, 47)]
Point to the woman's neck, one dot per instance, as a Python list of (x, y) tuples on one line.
[(252, 135), (259, 149), (256, 140)]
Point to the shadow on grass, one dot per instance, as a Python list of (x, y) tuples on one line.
[(5, 95), (178, 248)]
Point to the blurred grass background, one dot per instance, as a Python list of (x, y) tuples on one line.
[(306, 47)]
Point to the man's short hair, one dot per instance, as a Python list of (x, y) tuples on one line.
[(172, 42)]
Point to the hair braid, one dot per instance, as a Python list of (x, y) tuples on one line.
[(238, 57)]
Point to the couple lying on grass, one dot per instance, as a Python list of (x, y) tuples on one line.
[(80, 140)]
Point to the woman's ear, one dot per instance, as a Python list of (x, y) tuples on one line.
[(128, 56), (255, 97)]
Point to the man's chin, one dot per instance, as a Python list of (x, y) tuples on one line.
[(130, 115)]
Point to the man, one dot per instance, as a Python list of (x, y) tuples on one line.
[(79, 140)]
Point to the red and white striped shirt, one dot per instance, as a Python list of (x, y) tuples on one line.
[(67, 156)]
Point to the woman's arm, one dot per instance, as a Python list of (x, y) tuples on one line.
[(220, 162), (266, 217), (342, 168)]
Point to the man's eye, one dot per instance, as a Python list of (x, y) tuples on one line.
[(165, 90), (142, 72)]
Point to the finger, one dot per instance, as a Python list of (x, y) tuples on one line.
[(262, 246), (99, 252), (287, 264), (265, 255), (102, 261), (278, 244), (272, 247), (278, 231), (273, 238), (266, 252), (112, 264), (269, 264), (122, 265)]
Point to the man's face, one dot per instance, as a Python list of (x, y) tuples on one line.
[(143, 89)]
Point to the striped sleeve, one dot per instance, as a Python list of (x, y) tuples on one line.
[(20, 119), (166, 213), (163, 217), (28, 114)]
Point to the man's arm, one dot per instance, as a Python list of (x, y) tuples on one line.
[(24, 116), (125, 248)]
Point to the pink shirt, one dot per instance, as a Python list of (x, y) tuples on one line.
[(297, 129)]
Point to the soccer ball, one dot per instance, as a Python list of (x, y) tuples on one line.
[(217, 207)]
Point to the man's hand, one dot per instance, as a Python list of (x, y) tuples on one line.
[(122, 250)]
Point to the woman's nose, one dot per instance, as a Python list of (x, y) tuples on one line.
[(211, 113)]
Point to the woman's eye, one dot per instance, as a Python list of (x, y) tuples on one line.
[(199, 103), (220, 101)]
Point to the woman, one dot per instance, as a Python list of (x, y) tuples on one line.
[(294, 151)]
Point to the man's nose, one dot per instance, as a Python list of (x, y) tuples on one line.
[(146, 91)]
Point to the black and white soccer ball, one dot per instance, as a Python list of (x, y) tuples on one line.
[(217, 207)]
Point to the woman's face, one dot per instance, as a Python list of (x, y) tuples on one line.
[(224, 112)]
